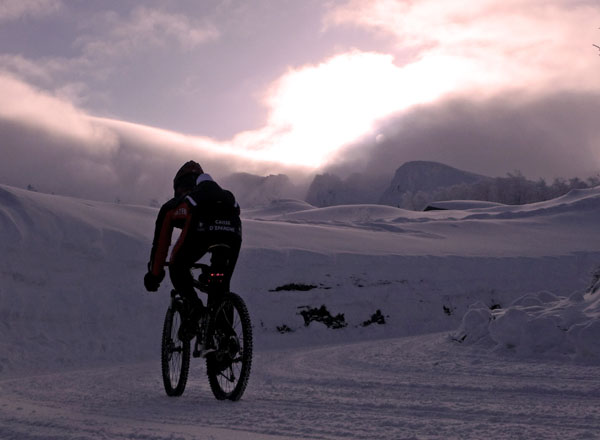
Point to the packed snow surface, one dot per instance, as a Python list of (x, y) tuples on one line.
[(472, 322)]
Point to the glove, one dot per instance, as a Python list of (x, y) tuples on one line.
[(152, 282)]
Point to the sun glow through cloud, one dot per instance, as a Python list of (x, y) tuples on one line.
[(317, 110), (329, 105)]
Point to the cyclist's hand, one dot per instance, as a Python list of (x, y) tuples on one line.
[(152, 282)]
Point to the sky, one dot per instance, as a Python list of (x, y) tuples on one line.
[(99, 95)]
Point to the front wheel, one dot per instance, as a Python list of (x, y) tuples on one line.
[(175, 354), (228, 367)]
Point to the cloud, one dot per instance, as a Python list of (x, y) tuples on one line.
[(24, 104), (471, 85), (545, 136), (107, 49), (314, 110), (25, 68), (512, 43), (316, 107), (51, 144), (18, 9), (513, 86), (453, 49), (145, 28)]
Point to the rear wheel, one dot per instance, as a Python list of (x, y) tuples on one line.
[(175, 354), (228, 367)]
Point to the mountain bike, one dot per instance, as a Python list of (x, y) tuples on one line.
[(223, 334)]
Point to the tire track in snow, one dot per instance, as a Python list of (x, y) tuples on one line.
[(419, 387)]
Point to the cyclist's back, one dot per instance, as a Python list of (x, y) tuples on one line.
[(207, 215), (215, 219)]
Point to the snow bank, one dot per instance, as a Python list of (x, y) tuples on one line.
[(70, 273), (538, 325)]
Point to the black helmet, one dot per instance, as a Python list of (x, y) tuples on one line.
[(185, 179)]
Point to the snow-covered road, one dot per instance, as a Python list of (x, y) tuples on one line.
[(421, 387)]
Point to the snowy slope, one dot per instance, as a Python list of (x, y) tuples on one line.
[(497, 287), (72, 269), (424, 176)]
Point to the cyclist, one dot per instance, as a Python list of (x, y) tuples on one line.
[(206, 214)]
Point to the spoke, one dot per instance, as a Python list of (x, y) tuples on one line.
[(175, 351), (230, 378)]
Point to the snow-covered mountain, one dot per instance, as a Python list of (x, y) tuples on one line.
[(424, 176), (414, 177), (414, 186), (410, 307)]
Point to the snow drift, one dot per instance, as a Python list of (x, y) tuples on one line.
[(540, 324), (71, 272)]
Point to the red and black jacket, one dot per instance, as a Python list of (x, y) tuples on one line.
[(173, 214), (195, 211)]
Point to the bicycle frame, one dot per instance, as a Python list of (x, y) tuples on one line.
[(223, 334)]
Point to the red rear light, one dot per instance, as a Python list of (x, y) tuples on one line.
[(216, 277)]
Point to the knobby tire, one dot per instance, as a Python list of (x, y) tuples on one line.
[(228, 368), (175, 354)]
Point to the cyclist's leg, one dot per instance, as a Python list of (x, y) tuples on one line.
[(234, 242), (186, 255), (181, 277), (224, 319)]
